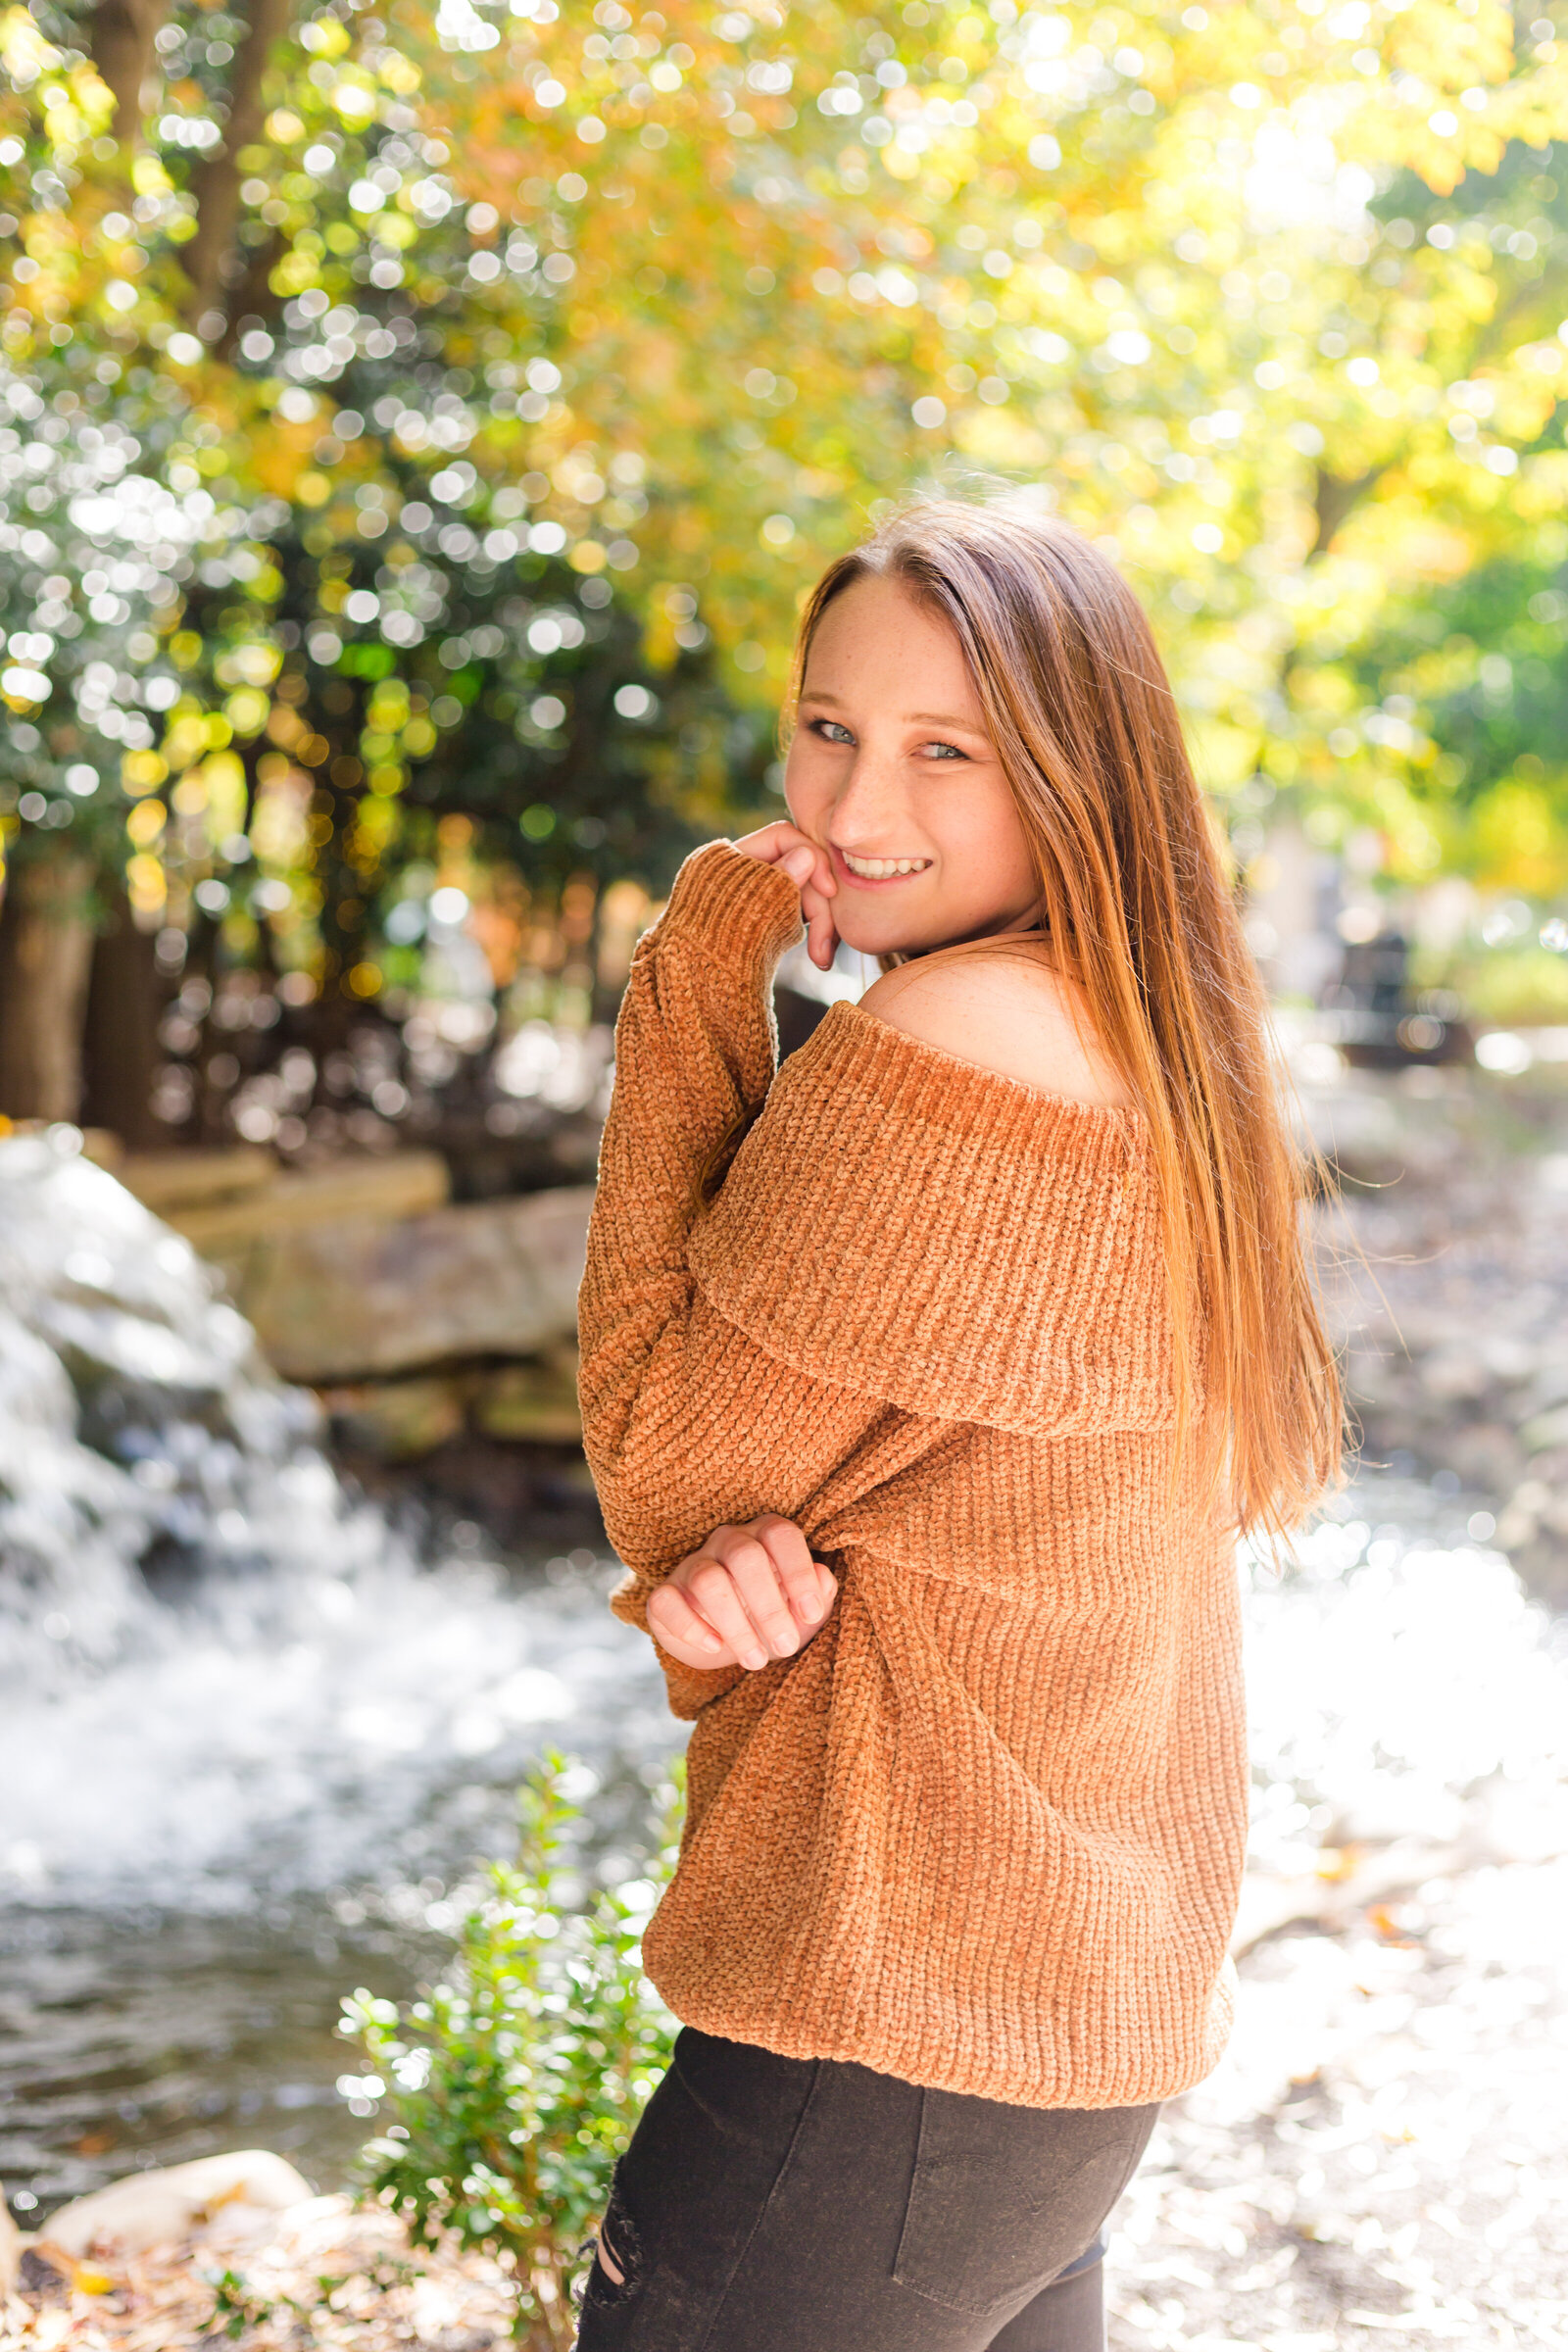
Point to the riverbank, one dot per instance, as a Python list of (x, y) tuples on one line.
[(1383, 2155), (1396, 2093), (333, 2275), (1394, 2101), (1454, 1315)]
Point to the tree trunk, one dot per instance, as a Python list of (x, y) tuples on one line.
[(123, 35), (216, 180), (45, 951), (252, 291), (121, 1041), (1335, 494)]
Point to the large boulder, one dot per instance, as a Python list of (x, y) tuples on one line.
[(362, 1272), (232, 1204), (368, 1297), (398, 1420), (230, 2200), (172, 1184), (535, 1403)]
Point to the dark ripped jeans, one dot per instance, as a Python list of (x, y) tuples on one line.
[(804, 2205)]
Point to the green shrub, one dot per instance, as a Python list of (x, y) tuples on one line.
[(510, 2088)]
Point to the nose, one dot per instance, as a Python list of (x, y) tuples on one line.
[(870, 807)]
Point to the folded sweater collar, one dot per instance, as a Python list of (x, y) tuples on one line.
[(952, 1239)]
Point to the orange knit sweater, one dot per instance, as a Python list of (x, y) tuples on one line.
[(985, 1832)]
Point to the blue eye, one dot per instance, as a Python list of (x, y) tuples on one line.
[(831, 731), (943, 751)]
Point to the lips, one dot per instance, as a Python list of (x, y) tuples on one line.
[(881, 869)]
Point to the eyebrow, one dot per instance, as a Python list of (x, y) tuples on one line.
[(920, 719)]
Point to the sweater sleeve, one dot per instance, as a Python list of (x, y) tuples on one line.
[(688, 1423)]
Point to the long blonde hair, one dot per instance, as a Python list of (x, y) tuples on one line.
[(1139, 910)]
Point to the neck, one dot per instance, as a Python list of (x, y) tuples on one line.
[(1026, 925)]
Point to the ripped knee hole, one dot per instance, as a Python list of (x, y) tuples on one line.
[(605, 2257), (618, 2252)]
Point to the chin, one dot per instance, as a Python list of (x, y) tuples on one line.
[(872, 939)]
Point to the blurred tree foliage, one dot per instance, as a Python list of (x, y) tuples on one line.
[(431, 418)]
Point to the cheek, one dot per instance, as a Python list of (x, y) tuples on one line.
[(978, 833), (806, 792), (1010, 843)]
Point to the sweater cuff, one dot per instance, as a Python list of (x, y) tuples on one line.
[(733, 910)]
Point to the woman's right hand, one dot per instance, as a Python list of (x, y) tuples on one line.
[(811, 870), (748, 1596)]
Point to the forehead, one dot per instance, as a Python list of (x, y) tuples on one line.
[(878, 634)]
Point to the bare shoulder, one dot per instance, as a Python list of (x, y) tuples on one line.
[(1008, 1013)]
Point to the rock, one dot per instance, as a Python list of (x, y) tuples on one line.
[(330, 2271), (167, 1182), (1359, 1131), (225, 2200), (400, 1184), (1542, 1564), (1545, 1430), (1347, 1881), (532, 1403), (104, 1149), (41, 2281), (1454, 1374), (1526, 1506), (396, 1420), (346, 1301), (97, 1143), (1485, 1455)]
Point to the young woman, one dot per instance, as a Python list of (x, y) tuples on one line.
[(926, 1386)]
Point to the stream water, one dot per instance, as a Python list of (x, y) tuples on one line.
[(251, 1728)]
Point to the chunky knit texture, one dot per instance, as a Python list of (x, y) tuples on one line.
[(985, 1832)]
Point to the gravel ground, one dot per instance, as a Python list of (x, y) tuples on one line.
[(1383, 2154)]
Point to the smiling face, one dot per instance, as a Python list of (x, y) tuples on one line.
[(893, 773)]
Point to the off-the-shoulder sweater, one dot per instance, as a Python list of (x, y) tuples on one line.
[(985, 1832)]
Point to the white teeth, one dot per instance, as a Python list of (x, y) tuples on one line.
[(881, 869)]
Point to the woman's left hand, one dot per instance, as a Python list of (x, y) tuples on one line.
[(811, 870), (749, 1593)]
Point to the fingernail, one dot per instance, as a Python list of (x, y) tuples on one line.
[(811, 1606), (712, 1642), (785, 1642), (753, 1658), (797, 864)]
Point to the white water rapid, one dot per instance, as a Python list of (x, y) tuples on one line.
[(218, 1669)]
